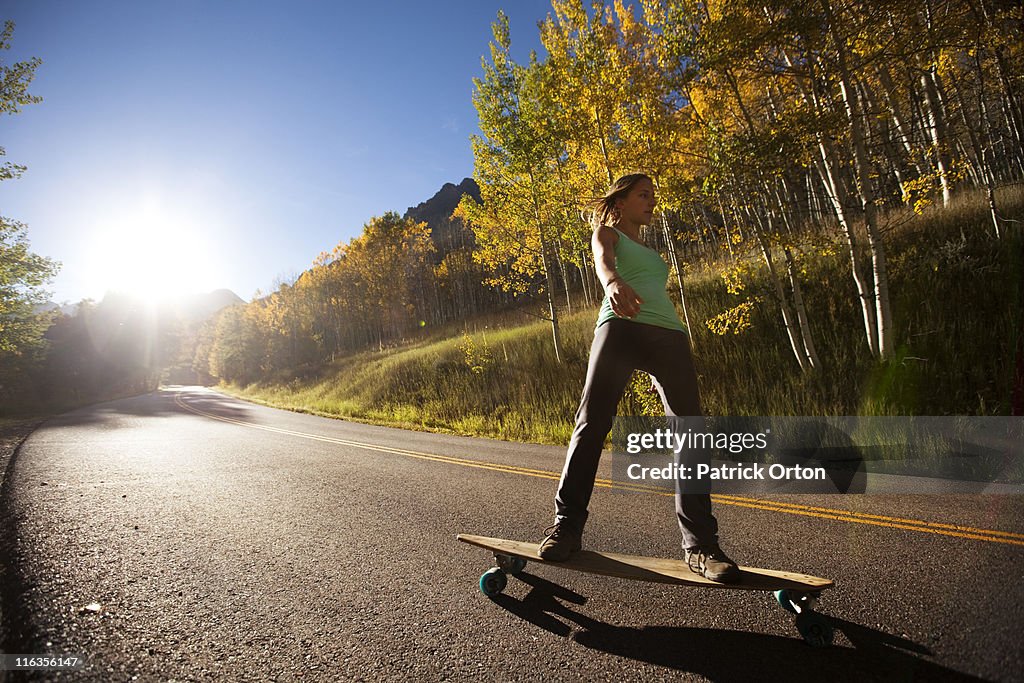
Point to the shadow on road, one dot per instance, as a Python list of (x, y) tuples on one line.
[(215, 404), (541, 604), (160, 403), (729, 655)]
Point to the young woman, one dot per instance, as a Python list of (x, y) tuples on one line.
[(637, 329)]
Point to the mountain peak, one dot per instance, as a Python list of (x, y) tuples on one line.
[(446, 233), (438, 209)]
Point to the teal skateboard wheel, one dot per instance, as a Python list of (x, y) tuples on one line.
[(796, 602), (785, 600), (493, 581), (815, 629)]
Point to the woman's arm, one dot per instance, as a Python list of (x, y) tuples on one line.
[(625, 302)]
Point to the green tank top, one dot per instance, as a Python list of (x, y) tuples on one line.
[(646, 272)]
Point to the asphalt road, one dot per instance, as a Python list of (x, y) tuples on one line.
[(184, 535)]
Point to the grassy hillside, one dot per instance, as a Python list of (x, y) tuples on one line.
[(956, 306)]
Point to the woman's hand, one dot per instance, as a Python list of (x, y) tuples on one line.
[(625, 302)]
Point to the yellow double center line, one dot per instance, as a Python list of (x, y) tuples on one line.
[(954, 530)]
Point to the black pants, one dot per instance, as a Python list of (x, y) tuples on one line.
[(619, 348)]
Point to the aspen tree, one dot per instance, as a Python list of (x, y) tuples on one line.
[(512, 223), (865, 189)]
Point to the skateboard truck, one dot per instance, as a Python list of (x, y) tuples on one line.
[(509, 563)]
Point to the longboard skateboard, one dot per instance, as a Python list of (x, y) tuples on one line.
[(797, 593)]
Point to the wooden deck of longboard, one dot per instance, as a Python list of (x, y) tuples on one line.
[(659, 570)]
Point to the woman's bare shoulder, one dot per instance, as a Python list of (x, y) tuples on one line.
[(606, 236)]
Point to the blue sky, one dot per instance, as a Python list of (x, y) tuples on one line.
[(195, 145)]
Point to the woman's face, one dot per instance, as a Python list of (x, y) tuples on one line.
[(637, 207)]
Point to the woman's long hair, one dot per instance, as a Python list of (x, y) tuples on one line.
[(601, 211)]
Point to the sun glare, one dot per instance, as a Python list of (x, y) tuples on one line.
[(152, 255)]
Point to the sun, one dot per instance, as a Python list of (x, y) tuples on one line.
[(151, 254)]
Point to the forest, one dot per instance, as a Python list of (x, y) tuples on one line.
[(775, 132), (783, 138)]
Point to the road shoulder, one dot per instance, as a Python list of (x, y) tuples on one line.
[(13, 432)]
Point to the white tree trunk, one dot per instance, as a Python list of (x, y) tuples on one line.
[(861, 166)]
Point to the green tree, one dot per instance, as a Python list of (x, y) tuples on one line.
[(14, 81), (516, 223), (22, 273), (237, 347)]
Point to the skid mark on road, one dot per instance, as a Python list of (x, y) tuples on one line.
[(938, 528)]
